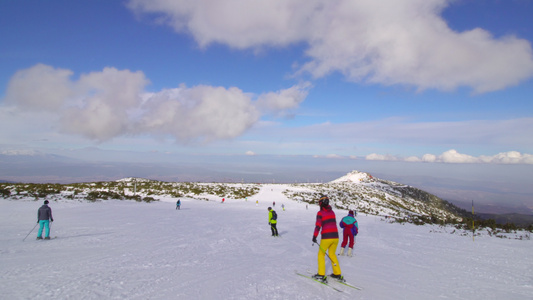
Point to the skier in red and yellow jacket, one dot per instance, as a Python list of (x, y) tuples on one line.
[(325, 220)]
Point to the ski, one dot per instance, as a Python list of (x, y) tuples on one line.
[(342, 282), (348, 284), (324, 283)]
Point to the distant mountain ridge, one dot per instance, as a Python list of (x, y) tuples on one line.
[(356, 190), (368, 194)]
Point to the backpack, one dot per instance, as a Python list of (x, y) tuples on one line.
[(274, 215)]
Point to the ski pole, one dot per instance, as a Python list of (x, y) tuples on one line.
[(326, 254), (30, 231)]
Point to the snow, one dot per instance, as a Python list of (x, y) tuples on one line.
[(208, 250), (354, 177)]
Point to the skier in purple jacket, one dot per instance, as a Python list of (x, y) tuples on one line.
[(350, 230)]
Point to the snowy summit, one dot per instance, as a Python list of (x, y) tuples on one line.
[(355, 177)]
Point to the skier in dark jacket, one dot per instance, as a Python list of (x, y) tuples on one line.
[(326, 223), (178, 204), (44, 217)]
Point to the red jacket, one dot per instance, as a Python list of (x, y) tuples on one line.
[(325, 218)]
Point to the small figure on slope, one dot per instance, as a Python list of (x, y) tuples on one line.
[(178, 204), (44, 216), (273, 221), (325, 220), (350, 230)]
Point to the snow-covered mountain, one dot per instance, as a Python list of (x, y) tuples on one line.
[(366, 193), (356, 190)]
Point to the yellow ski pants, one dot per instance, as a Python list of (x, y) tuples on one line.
[(329, 245)]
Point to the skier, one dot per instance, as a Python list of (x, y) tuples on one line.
[(273, 221), (349, 224), (325, 219), (44, 216), (178, 204), (283, 207), (274, 204), (223, 199)]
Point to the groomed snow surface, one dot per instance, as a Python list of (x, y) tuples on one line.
[(208, 250)]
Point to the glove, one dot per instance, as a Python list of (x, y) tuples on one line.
[(314, 240), (52, 220)]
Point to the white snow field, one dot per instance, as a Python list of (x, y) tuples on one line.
[(208, 250)]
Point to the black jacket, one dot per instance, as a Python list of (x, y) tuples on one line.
[(45, 213)]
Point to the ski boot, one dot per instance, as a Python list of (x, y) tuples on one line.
[(338, 277), (350, 251), (342, 252), (39, 238), (321, 278)]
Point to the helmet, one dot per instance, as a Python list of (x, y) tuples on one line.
[(46, 202), (269, 208), (324, 201)]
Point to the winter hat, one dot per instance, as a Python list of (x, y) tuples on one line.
[(350, 212), (324, 201), (269, 208), (45, 201)]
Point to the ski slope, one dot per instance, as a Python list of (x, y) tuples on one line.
[(209, 250)]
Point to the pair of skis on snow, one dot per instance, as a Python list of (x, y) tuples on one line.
[(327, 283)]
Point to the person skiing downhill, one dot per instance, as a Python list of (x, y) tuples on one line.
[(350, 230), (273, 221), (178, 204), (326, 223), (44, 216)]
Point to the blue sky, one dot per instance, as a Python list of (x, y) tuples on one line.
[(339, 85)]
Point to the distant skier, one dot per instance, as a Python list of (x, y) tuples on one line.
[(350, 230), (283, 207), (274, 204), (223, 200), (273, 221), (325, 220), (178, 204), (44, 216)]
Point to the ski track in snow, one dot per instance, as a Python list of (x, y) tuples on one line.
[(209, 250)]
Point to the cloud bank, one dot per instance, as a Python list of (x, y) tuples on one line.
[(386, 42), (454, 157), (111, 103)]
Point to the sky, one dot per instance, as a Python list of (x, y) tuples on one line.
[(264, 86)]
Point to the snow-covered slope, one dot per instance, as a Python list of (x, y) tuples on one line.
[(368, 194), (208, 250)]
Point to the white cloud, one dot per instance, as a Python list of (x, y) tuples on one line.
[(375, 156), (202, 112), (386, 42), (250, 153), (454, 157), (111, 103), (283, 100), (105, 99), (40, 87)]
